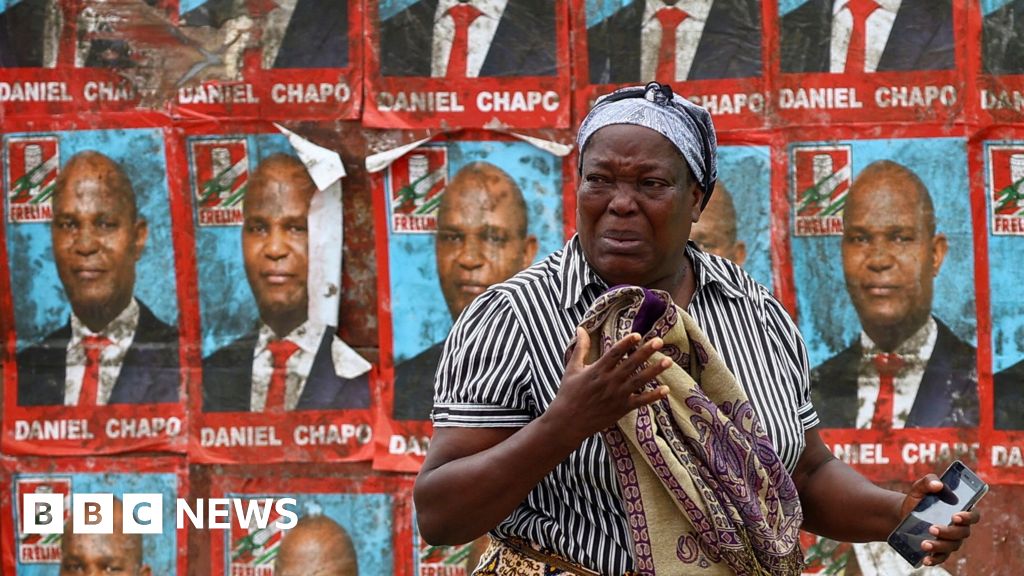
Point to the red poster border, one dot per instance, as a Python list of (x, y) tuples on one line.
[(98, 444), (140, 465)]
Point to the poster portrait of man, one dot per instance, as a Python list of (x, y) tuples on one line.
[(863, 36), (30, 33), (120, 551), (467, 39), (335, 534), (1002, 37), (1004, 196), (293, 33), (499, 210), (905, 358), (285, 360), (736, 223), (96, 323), (637, 41)]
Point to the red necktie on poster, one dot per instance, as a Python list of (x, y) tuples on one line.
[(888, 366), (859, 10), (670, 18), (94, 346), (462, 15), (281, 350)]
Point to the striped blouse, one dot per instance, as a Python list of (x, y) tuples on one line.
[(503, 362)]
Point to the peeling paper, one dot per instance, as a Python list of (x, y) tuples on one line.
[(325, 227), (549, 146), (381, 160)]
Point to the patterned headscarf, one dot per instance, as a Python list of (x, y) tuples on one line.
[(687, 125)]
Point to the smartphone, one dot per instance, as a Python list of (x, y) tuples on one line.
[(961, 491)]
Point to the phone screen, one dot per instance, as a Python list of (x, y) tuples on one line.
[(961, 490)]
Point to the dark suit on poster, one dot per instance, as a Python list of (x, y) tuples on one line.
[(1002, 40), (414, 384), (947, 397), (921, 37), (1009, 398), (730, 44), (523, 45), (316, 35), (149, 371), (21, 34), (227, 380)]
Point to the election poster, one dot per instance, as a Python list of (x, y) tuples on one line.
[(95, 278), (882, 251), (294, 525), (50, 506), (34, 60), (451, 64), (888, 62), (277, 382), (713, 53), (454, 217), (1000, 86)]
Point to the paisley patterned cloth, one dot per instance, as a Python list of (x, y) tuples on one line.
[(701, 483), (514, 557)]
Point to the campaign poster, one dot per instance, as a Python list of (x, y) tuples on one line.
[(889, 62), (338, 525), (710, 52), (66, 551), (277, 382), (32, 57), (736, 223), (883, 267), (467, 64), (287, 59), (1003, 162), (95, 283), (457, 216), (1001, 82)]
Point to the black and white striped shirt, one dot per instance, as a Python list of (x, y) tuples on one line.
[(503, 362)]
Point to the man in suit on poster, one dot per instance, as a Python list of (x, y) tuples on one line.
[(708, 39), (715, 232), (470, 39), (316, 546), (29, 34), (857, 36), (1002, 39), (112, 349), (114, 553), (906, 369), (482, 239), (289, 362)]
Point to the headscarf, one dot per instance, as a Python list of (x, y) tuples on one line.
[(687, 125)]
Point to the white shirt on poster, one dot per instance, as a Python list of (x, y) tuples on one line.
[(121, 333), (481, 34), (688, 36), (879, 26), (915, 352)]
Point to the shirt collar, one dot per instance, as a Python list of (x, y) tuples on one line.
[(887, 5), (576, 274), (695, 9), (918, 347), (490, 8), (307, 336), (709, 272), (121, 328)]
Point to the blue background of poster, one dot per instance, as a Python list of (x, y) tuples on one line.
[(826, 316), (226, 306), (1005, 281), (158, 550), (366, 517), (746, 172), (38, 294), (420, 317)]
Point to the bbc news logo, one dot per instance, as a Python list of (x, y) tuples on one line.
[(43, 513)]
